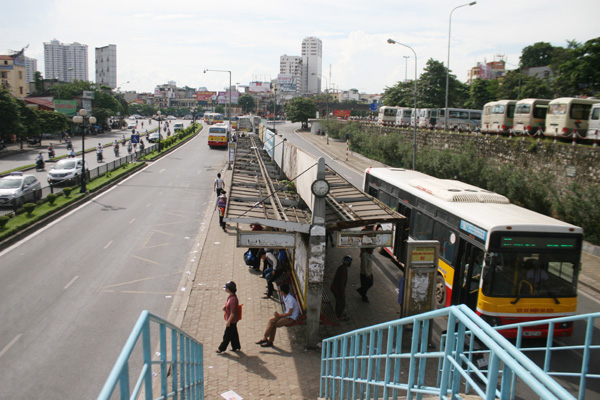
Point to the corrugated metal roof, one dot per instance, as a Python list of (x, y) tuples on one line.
[(260, 193)]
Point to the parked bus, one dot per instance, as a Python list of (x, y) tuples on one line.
[(458, 118), (218, 135), (212, 118), (426, 117), (594, 123), (404, 116), (498, 116), (245, 124), (507, 263), (530, 115), (387, 115), (567, 115)]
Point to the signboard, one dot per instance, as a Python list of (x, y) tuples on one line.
[(87, 94), (204, 95), (135, 139), (67, 107), (364, 239), (418, 288), (341, 113), (232, 147), (259, 87), (285, 78), (270, 239)]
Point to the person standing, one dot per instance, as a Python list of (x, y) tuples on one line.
[(338, 288), (366, 273), (219, 184), (221, 204), (273, 269), (232, 317)]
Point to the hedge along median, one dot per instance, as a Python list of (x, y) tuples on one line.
[(174, 141), (45, 210)]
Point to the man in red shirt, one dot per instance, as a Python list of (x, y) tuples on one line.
[(231, 317)]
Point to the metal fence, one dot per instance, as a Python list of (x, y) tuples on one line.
[(176, 366), (398, 359)]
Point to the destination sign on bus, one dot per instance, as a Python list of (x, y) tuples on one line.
[(536, 242)]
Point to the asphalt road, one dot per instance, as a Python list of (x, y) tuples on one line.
[(71, 293)]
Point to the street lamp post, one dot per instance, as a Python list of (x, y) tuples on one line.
[(406, 67), (220, 70), (414, 163), (193, 115), (158, 117), (448, 62), (326, 104), (81, 119)]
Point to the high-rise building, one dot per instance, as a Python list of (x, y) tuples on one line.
[(292, 65), (30, 68), (12, 74), (312, 59), (106, 65), (66, 62)]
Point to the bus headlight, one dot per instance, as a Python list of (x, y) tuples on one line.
[(492, 321)]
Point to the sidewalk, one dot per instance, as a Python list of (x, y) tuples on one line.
[(287, 370)]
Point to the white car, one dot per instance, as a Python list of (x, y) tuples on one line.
[(177, 127), (131, 125), (16, 189), (171, 117), (153, 137), (66, 171)]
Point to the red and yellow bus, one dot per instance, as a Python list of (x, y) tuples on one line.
[(212, 118), (218, 136), (507, 263)]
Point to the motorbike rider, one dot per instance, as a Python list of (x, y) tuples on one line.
[(129, 148), (116, 148), (99, 152), (69, 143), (51, 151), (142, 145), (39, 161), (123, 140), (72, 153)]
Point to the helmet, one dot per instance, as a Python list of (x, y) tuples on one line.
[(347, 260)]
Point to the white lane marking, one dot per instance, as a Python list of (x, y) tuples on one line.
[(108, 244), (148, 205), (12, 342), (162, 170), (68, 285), (131, 222)]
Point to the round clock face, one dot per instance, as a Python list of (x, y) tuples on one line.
[(320, 188)]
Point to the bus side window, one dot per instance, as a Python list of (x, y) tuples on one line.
[(447, 240), (373, 192), (422, 227)]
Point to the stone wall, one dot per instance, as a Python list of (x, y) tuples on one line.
[(568, 163)]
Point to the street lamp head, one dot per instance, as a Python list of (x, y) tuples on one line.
[(204, 71), (77, 119), (83, 112), (92, 120), (391, 41), (472, 3), (158, 112)]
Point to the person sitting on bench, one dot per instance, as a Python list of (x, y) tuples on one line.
[(289, 317)]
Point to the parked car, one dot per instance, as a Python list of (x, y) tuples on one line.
[(171, 117), (131, 125), (153, 137), (178, 126), (17, 189), (33, 140), (66, 171)]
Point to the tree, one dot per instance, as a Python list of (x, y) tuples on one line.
[(300, 109), (481, 92), (29, 121), (220, 109), (10, 123), (401, 95), (38, 82), (578, 74), (247, 102), (51, 121), (537, 55)]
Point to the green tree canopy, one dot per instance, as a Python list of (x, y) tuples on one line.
[(10, 123), (300, 109), (247, 103), (537, 55)]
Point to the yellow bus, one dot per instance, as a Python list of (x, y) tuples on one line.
[(218, 136), (212, 118), (507, 263)]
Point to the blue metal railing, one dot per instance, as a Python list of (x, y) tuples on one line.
[(472, 357), (177, 366)]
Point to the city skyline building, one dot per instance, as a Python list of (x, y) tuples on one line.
[(12, 74), (65, 62), (106, 65), (312, 59), (30, 68), (292, 66)]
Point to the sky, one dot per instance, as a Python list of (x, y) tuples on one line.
[(161, 41)]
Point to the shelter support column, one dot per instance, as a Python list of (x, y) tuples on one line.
[(316, 273)]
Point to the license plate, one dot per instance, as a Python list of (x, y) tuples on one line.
[(532, 333)]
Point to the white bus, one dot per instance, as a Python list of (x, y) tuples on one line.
[(530, 115), (567, 115), (426, 117), (594, 123), (404, 116), (488, 247), (387, 115), (498, 116), (459, 118)]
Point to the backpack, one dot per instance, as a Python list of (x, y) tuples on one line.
[(249, 258)]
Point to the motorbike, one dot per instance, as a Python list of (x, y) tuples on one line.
[(99, 157), (2, 145), (129, 148), (69, 145), (116, 149), (51, 153), (40, 165)]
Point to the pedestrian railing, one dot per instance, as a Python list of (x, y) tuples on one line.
[(176, 368), (399, 359)]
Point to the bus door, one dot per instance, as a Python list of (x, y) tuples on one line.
[(467, 275)]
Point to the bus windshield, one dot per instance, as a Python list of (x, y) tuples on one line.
[(531, 266)]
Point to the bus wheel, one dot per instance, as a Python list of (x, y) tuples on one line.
[(440, 291)]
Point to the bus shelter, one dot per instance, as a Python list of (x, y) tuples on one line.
[(299, 211)]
